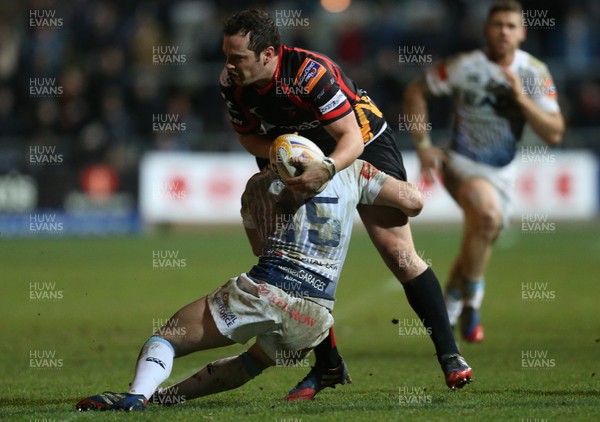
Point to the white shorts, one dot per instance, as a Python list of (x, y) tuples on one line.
[(243, 309), (502, 178)]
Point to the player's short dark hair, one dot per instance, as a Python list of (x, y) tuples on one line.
[(261, 27), (505, 6)]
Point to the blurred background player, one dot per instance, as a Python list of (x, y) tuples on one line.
[(285, 300), (271, 89), (496, 90)]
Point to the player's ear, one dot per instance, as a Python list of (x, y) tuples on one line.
[(268, 54)]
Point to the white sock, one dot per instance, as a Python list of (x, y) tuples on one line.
[(153, 366), (475, 289), (454, 305)]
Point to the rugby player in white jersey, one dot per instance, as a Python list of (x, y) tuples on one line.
[(495, 91), (284, 300)]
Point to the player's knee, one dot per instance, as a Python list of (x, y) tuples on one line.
[(252, 366), (489, 224)]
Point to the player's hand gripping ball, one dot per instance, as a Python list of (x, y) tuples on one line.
[(289, 154)]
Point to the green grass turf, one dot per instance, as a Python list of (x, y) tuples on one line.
[(110, 294)]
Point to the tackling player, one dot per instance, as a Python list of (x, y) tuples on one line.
[(284, 300), (271, 89), (496, 90)]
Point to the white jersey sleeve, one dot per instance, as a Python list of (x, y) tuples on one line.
[(444, 77), (370, 180), (538, 84)]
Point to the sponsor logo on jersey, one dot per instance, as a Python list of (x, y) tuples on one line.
[(309, 74), (303, 126), (337, 99), (306, 277)]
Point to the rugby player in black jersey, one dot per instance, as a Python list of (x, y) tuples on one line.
[(271, 89)]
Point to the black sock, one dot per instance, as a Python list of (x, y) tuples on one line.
[(326, 353), (425, 296)]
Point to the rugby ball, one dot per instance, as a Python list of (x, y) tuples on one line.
[(288, 152)]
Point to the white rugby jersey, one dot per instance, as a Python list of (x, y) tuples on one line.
[(487, 121), (306, 241)]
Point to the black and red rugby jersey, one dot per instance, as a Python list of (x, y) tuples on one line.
[(308, 91)]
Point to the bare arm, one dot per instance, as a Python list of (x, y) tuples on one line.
[(350, 144), (402, 195), (548, 126), (415, 104), (257, 145)]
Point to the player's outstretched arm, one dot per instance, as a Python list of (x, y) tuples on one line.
[(403, 195)]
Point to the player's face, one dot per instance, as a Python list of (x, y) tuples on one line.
[(241, 63), (504, 33)]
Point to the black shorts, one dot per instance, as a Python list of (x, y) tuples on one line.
[(383, 153)]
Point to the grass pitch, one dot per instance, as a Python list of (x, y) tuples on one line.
[(76, 312)]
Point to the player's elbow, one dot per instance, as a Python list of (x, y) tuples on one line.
[(256, 252), (413, 203), (257, 248), (359, 147), (555, 138), (554, 134), (415, 208)]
